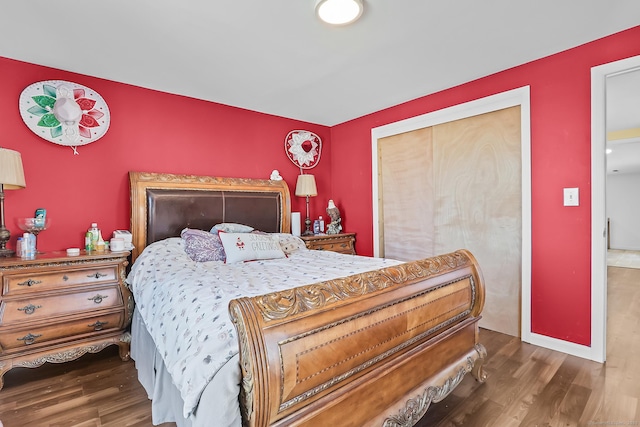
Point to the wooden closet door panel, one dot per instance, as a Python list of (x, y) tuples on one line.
[(478, 200), (406, 188), (458, 185)]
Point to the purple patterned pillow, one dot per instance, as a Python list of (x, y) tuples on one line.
[(202, 245)]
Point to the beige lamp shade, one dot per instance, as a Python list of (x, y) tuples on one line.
[(11, 171), (306, 186)]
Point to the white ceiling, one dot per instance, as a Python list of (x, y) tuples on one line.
[(275, 57)]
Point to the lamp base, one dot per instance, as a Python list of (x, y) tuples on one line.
[(7, 253), (307, 227)]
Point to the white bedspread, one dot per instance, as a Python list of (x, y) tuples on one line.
[(184, 304)]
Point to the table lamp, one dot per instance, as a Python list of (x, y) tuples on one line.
[(11, 178), (306, 187)]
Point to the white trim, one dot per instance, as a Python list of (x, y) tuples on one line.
[(515, 97), (555, 344), (599, 77)]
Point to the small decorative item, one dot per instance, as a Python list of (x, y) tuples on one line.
[(335, 226), (64, 113), (303, 148), (275, 175), (34, 226)]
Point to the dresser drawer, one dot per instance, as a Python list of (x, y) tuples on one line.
[(35, 282), (36, 307), (341, 243), (36, 336), (341, 247)]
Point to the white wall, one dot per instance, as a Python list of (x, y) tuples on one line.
[(623, 210)]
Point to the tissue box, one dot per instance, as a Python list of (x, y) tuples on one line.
[(124, 235)]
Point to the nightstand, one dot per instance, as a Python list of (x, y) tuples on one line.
[(344, 243), (55, 308)]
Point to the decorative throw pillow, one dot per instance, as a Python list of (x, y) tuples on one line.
[(289, 243), (202, 245), (240, 247), (231, 227)]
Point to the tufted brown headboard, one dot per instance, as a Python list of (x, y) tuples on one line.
[(164, 204)]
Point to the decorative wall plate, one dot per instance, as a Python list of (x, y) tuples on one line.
[(64, 113), (303, 148)]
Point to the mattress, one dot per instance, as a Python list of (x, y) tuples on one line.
[(183, 341)]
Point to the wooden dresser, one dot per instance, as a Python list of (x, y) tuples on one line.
[(344, 243), (55, 308)]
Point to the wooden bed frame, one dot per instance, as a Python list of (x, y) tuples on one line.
[(372, 349)]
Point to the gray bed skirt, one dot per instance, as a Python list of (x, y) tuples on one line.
[(220, 395)]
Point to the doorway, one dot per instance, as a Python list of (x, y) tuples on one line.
[(599, 234)]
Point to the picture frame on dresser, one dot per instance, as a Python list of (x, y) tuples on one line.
[(55, 308)]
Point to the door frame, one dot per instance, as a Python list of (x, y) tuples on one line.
[(599, 77), (515, 97)]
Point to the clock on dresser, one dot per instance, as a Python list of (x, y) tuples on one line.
[(55, 307)]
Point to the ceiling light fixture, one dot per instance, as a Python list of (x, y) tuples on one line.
[(339, 12)]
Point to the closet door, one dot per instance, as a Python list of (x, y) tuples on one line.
[(406, 187), (458, 185)]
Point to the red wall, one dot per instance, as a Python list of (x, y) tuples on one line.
[(149, 131), (560, 157), (153, 131)]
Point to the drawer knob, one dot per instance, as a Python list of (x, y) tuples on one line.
[(98, 325), (98, 298), (29, 338), (65, 277), (29, 309), (97, 275), (30, 282)]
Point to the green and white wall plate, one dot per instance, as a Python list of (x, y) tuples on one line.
[(64, 113)]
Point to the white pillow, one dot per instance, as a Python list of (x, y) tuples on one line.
[(289, 243), (240, 247), (231, 227)]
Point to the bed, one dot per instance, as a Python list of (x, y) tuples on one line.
[(312, 338)]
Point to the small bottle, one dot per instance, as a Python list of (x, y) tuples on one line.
[(95, 235), (100, 244), (24, 248), (87, 241), (32, 245), (19, 246), (316, 226), (29, 245), (321, 231)]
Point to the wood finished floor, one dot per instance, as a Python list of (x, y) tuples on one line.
[(527, 386)]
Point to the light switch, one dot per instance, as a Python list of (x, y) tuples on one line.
[(571, 197)]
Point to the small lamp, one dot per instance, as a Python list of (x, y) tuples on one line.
[(306, 187), (11, 178), (339, 12)]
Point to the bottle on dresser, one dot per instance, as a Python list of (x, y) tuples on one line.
[(28, 246), (19, 246), (97, 243)]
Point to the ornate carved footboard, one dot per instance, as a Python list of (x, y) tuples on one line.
[(370, 349)]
